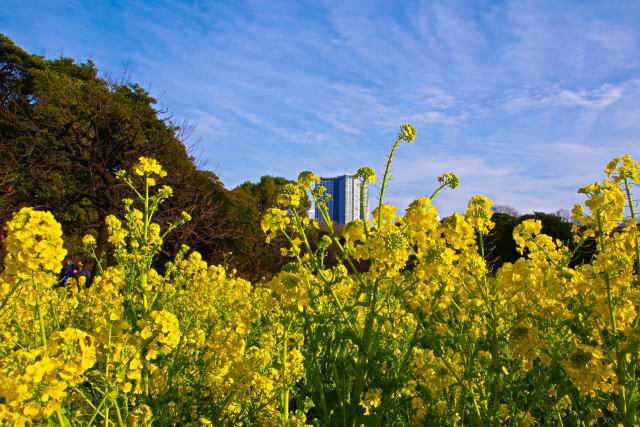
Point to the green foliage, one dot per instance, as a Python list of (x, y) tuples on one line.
[(501, 248), (66, 132), (249, 254), (265, 194)]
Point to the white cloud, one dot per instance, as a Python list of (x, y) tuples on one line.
[(542, 176), (432, 117), (597, 98), (524, 102)]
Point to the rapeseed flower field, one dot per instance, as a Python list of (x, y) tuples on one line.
[(425, 336)]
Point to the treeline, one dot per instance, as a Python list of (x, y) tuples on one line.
[(65, 132), (501, 248)]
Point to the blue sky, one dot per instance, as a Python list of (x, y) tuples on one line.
[(525, 101)]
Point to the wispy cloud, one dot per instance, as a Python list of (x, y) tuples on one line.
[(596, 98), (525, 102)]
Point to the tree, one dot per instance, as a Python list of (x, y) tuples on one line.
[(65, 133), (501, 247), (552, 225), (252, 254), (505, 209), (265, 193)]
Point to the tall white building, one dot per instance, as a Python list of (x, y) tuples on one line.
[(345, 204)]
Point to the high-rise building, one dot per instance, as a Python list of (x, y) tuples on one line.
[(345, 204)]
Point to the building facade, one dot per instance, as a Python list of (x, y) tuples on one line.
[(345, 194)]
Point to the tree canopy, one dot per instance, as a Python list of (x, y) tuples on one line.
[(265, 193), (501, 247), (65, 132)]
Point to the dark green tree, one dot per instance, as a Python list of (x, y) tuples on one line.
[(265, 194), (252, 254), (559, 228), (64, 133), (501, 247)]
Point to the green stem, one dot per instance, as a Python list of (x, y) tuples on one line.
[(320, 391), (485, 286), (43, 336), (108, 353), (145, 236), (493, 331), (437, 191), (77, 390), (285, 390), (464, 385), (97, 410), (542, 249), (559, 417), (317, 270), (607, 278), (363, 213), (146, 377), (115, 404), (341, 397), (627, 188), (334, 240), (620, 362), (385, 179), (146, 212), (315, 264), (60, 420), (362, 367), (5, 301)]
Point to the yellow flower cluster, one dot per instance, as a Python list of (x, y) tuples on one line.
[(402, 324), (36, 382), (147, 166), (114, 352), (428, 301), (33, 243), (289, 195)]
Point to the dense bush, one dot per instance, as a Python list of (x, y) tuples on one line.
[(424, 336), (500, 247)]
